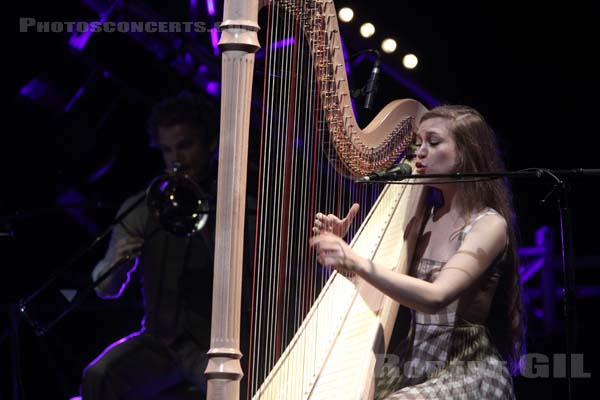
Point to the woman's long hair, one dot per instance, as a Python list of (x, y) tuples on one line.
[(478, 152)]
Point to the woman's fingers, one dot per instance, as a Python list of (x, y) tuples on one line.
[(352, 212), (331, 222), (332, 251), (322, 223), (317, 241), (328, 245)]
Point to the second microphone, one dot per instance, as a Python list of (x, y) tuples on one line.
[(395, 172)]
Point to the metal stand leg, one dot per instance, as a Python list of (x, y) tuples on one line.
[(15, 359)]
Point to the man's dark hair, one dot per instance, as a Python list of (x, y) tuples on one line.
[(185, 108)]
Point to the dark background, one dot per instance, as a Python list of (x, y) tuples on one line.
[(529, 68)]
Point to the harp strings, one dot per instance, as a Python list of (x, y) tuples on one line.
[(297, 178)]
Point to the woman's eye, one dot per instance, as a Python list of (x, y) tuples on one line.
[(434, 143)]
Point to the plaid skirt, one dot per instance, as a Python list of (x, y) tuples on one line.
[(445, 362), (443, 357)]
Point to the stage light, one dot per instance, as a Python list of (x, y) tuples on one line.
[(410, 61), (346, 14), (367, 30), (79, 39), (214, 38), (210, 6), (213, 88), (389, 45)]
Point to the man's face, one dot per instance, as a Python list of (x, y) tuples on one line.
[(181, 144)]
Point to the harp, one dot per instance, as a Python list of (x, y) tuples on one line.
[(326, 345)]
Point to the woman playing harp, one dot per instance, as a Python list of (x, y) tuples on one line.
[(463, 286)]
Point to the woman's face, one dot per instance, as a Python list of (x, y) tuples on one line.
[(436, 149)]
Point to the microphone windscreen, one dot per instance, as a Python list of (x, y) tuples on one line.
[(400, 170)]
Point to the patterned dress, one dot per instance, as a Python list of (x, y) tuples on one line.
[(444, 356)]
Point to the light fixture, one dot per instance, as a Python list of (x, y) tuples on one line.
[(389, 45), (410, 61), (346, 14), (367, 30)]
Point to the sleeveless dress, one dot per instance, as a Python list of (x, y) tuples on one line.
[(445, 356)]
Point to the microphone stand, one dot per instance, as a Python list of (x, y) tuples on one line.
[(370, 88), (372, 84), (561, 188)]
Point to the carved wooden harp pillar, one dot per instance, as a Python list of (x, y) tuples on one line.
[(349, 322), (238, 43)]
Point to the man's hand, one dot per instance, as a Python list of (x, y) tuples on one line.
[(127, 248)]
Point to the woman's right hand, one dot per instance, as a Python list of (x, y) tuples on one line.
[(127, 248), (331, 223)]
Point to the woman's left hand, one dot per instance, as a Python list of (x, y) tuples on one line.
[(334, 252)]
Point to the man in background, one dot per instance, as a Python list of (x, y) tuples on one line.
[(176, 274)]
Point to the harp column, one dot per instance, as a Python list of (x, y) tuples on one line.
[(238, 44)]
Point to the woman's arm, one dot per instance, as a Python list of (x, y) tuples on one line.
[(481, 246)]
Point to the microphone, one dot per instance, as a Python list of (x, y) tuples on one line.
[(372, 83), (395, 172)]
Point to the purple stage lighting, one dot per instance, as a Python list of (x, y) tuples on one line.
[(345, 53), (275, 46), (33, 89), (118, 342), (213, 88), (421, 93), (101, 171), (282, 43), (74, 203), (74, 99), (210, 6), (78, 40), (43, 92), (214, 38)]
